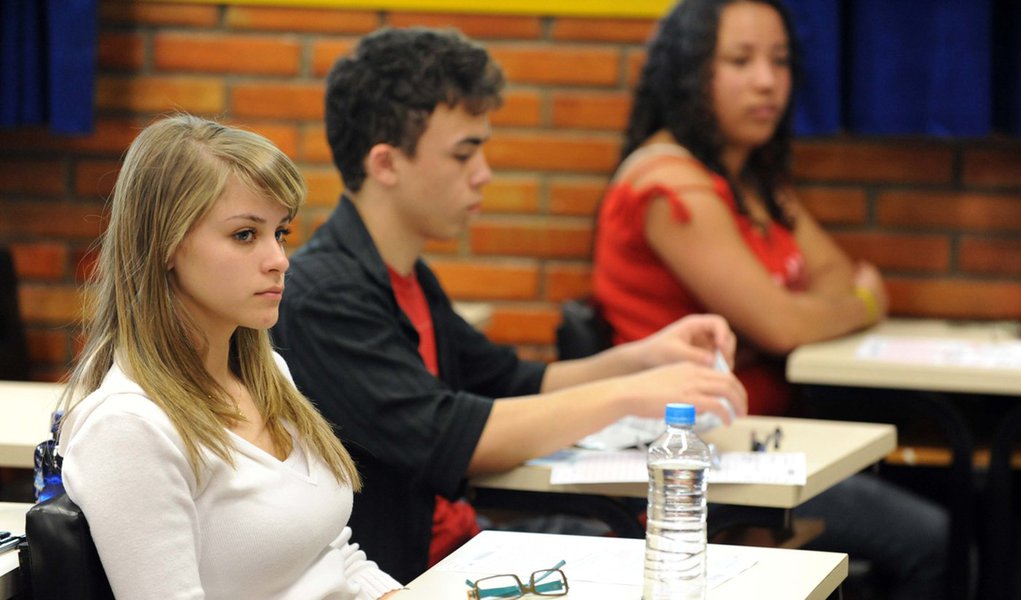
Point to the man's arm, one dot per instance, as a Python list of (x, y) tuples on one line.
[(522, 428), (692, 339)]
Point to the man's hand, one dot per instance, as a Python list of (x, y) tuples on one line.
[(694, 338)]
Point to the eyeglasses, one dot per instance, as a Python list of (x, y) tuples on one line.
[(772, 439), (546, 582)]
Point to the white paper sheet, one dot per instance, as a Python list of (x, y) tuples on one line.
[(629, 466), (940, 352)]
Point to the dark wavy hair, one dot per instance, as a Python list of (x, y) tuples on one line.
[(385, 91), (673, 93)]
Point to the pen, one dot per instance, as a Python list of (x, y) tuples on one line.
[(722, 366), (10, 542)]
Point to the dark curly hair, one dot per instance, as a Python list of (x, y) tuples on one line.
[(673, 93), (385, 91)]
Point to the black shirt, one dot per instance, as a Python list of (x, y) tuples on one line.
[(354, 353)]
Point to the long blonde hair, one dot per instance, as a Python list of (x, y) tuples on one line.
[(172, 174)]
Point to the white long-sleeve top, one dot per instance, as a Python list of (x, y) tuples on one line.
[(266, 529)]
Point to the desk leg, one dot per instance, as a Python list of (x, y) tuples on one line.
[(997, 581), (961, 500)]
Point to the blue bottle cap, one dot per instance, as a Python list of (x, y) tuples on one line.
[(680, 414)]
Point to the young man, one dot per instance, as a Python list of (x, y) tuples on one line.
[(418, 396)]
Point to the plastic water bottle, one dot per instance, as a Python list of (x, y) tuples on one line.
[(48, 480), (675, 536)]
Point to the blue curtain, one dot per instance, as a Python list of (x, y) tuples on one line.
[(893, 67), (48, 63)]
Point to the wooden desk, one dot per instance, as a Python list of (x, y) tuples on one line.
[(777, 574), (12, 518), (27, 409), (837, 363), (834, 451)]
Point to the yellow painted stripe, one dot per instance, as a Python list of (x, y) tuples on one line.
[(554, 8)]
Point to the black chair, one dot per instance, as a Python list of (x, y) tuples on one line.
[(582, 331), (60, 561), (13, 346)]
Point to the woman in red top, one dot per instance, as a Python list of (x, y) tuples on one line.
[(701, 216)]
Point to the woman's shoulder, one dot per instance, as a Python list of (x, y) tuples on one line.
[(118, 398), (664, 162)]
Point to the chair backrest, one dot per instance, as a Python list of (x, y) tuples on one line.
[(13, 345), (582, 331), (62, 558)]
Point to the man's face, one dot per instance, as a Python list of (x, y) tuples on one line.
[(440, 188)]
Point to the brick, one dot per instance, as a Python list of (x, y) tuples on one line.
[(567, 281), (40, 260), (532, 237), (48, 346), (218, 53), (312, 145), (109, 136), (164, 93), (602, 30), (922, 253), (990, 256), (443, 246), (549, 152), (591, 110), (301, 19), (523, 325), (834, 206), (55, 305), (473, 26), (84, 260), (41, 178), (325, 53), (594, 65), (95, 178), (299, 233), (953, 210), (522, 108), (511, 195), (487, 280), (77, 220), (993, 166), (278, 100), (284, 136), (888, 162), (955, 298), (124, 51), (635, 62), (153, 13), (577, 196), (324, 186)]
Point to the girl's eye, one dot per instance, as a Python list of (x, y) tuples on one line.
[(282, 234), (244, 236)]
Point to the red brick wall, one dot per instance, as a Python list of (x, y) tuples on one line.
[(942, 218)]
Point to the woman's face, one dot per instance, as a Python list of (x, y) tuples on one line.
[(228, 271), (751, 81)]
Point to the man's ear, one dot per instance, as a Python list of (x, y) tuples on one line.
[(379, 164)]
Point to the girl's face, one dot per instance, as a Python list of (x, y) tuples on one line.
[(751, 81), (228, 271)]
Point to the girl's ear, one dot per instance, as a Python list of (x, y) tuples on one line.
[(380, 164)]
